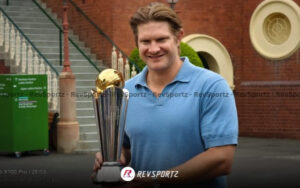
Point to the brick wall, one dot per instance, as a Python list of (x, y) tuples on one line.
[(3, 68), (267, 92), (98, 12), (277, 112), (111, 16)]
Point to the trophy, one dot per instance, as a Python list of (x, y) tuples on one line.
[(110, 105)]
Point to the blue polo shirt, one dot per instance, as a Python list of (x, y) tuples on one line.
[(194, 112)]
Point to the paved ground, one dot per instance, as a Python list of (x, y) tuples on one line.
[(266, 163), (258, 163)]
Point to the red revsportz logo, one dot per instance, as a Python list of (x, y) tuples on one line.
[(127, 174)]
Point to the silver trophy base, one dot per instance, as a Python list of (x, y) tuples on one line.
[(110, 172)]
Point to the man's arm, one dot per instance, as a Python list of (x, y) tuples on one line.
[(216, 161)]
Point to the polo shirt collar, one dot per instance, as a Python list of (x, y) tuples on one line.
[(184, 74), (141, 80)]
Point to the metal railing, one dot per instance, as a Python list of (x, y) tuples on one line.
[(60, 38), (102, 33), (29, 41), (22, 56)]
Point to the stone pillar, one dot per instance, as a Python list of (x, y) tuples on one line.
[(67, 127)]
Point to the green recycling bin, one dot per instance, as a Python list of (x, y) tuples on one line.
[(23, 113)]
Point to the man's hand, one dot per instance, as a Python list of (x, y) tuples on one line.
[(98, 162)]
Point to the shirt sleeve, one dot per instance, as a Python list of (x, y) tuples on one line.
[(219, 123), (126, 141)]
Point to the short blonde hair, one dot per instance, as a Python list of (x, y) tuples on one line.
[(155, 12)]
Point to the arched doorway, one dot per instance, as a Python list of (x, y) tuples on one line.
[(213, 55), (209, 61)]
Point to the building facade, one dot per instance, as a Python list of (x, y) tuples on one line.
[(267, 90)]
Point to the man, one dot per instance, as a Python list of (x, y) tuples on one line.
[(184, 117)]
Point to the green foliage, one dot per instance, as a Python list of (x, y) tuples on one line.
[(189, 52), (185, 49), (135, 57)]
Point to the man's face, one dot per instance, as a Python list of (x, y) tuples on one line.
[(158, 46)]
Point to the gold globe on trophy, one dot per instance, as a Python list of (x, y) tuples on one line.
[(106, 79)]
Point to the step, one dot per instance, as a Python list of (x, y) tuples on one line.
[(88, 127), (77, 55), (85, 111), (54, 37), (82, 89), (72, 61), (74, 56), (47, 24), (88, 145), (84, 104), (83, 75), (29, 19), (15, 0), (86, 119), (39, 30), (20, 8), (42, 37), (55, 49), (88, 85), (85, 82), (89, 136), (23, 3), (19, 0), (84, 96), (23, 13), (4, 1), (77, 61), (53, 42), (84, 62), (71, 56), (79, 68)]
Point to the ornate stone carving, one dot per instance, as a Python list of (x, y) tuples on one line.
[(277, 28)]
